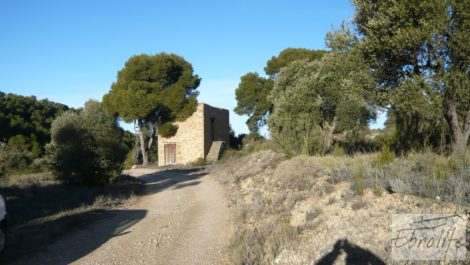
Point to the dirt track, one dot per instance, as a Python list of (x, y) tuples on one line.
[(182, 219)]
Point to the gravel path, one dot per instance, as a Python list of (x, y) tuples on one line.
[(182, 219)]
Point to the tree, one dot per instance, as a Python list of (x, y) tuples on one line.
[(86, 147), (421, 46), (251, 95), (153, 91), (253, 90), (286, 56), (25, 122), (312, 99)]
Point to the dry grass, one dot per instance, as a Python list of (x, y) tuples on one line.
[(276, 199), (41, 209), (424, 174)]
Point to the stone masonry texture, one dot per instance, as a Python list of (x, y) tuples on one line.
[(195, 135)]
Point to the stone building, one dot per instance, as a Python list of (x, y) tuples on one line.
[(201, 136)]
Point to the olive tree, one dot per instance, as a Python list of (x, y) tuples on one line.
[(313, 99), (86, 147), (253, 90), (419, 52)]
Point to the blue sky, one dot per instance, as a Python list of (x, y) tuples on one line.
[(70, 51)]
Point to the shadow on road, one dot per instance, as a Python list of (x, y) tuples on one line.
[(33, 241), (171, 179), (34, 245), (354, 255)]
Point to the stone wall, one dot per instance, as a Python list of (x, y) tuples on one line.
[(189, 139), (195, 135), (216, 126)]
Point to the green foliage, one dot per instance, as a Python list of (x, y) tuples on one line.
[(129, 161), (25, 122), (167, 129), (294, 122), (286, 56), (129, 140), (385, 157), (360, 141), (153, 90), (419, 54), (253, 90), (86, 148), (236, 141), (250, 144), (341, 40), (154, 87), (199, 162), (313, 99), (251, 95), (359, 176), (13, 160), (417, 131), (338, 151), (131, 144)]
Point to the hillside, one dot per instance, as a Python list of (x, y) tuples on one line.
[(323, 210)]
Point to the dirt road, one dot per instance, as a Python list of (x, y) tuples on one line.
[(181, 219)]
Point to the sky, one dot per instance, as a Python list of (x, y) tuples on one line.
[(71, 51)]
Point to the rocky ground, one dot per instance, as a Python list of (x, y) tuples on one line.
[(307, 210)]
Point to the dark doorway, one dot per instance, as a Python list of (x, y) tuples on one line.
[(212, 129)]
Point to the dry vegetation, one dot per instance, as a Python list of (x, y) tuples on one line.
[(42, 209), (294, 211)]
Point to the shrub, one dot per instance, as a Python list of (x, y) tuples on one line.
[(359, 204), (130, 160), (261, 244), (385, 156), (86, 148), (13, 160), (312, 214), (236, 142), (338, 150), (359, 176), (255, 143), (297, 174), (199, 162)]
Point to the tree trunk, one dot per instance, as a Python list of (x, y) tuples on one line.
[(328, 130), (136, 151), (145, 158), (459, 133), (152, 136)]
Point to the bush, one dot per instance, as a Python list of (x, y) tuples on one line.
[(297, 174), (199, 162), (359, 176), (263, 243), (338, 151), (86, 148), (13, 160), (385, 157), (236, 142), (130, 159), (251, 144)]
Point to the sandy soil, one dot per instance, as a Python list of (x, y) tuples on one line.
[(181, 219)]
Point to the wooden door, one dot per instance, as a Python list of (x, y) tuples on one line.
[(170, 154)]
